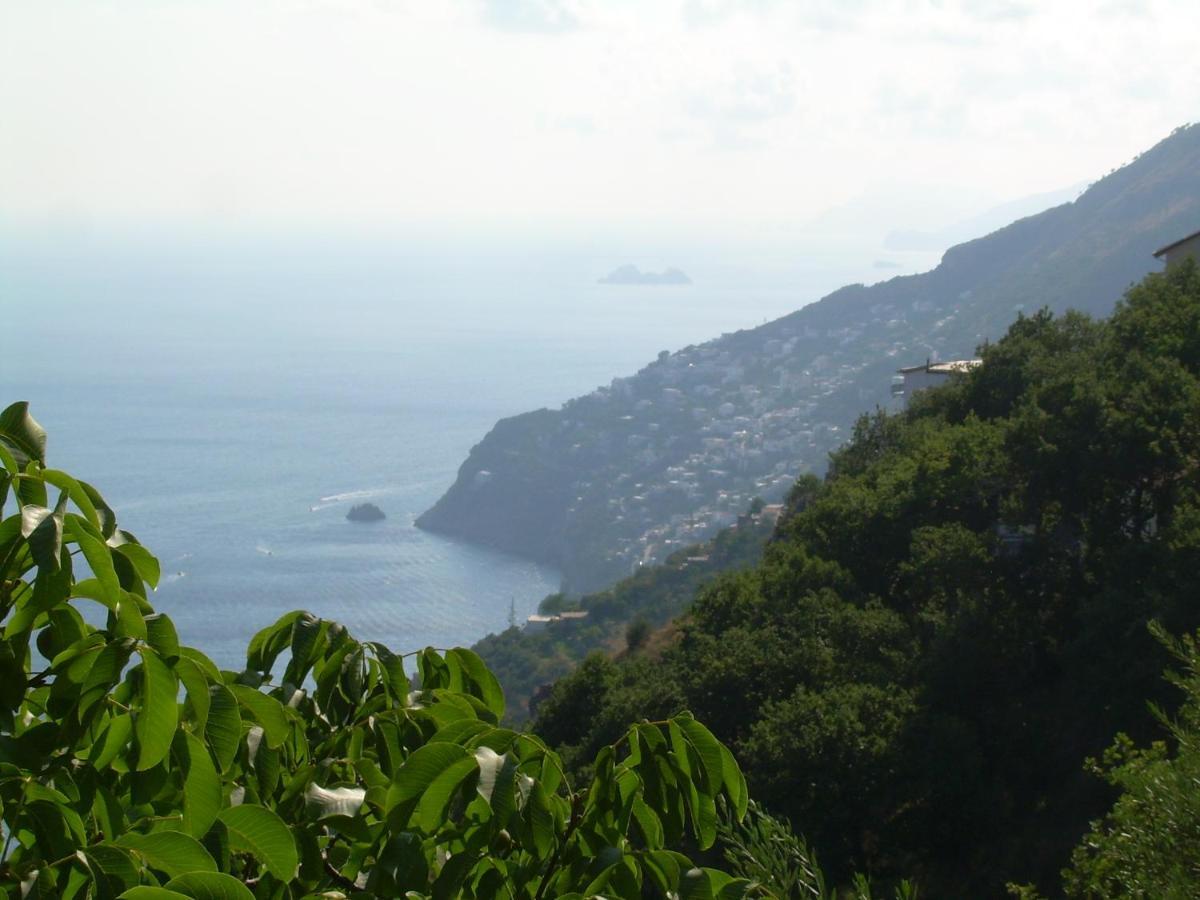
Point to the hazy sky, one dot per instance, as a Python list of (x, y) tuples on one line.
[(703, 113)]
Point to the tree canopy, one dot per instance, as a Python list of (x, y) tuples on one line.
[(942, 631)]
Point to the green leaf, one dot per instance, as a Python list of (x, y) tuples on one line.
[(260, 832), (431, 810), (126, 619), (306, 630), (268, 643), (10, 534), (416, 775), (112, 740), (73, 488), (695, 885), (114, 862), (159, 716), (223, 730), (22, 435), (393, 667), (201, 787), (103, 674), (540, 820), (57, 828), (705, 820), (648, 823), (161, 635), (735, 782), (146, 892), (92, 589), (266, 711), (99, 559), (479, 681), (709, 749), (206, 665), (104, 513), (732, 888), (170, 852), (143, 561), (196, 686), (209, 886), (662, 867), (108, 814), (432, 670), (43, 528)]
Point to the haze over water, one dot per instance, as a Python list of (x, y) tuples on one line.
[(232, 399)]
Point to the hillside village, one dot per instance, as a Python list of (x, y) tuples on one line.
[(701, 434), (623, 476), (667, 457)]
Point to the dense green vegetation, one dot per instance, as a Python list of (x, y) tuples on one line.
[(525, 661), (1147, 845), (943, 630), (130, 766)]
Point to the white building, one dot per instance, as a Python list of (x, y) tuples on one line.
[(912, 379), (1180, 250)]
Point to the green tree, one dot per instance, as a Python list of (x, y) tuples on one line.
[(1146, 846), (939, 632), (131, 766), (636, 633)]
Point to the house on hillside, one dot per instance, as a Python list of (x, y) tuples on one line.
[(538, 622), (912, 379), (1180, 250)]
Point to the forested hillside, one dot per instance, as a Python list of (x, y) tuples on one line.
[(619, 618), (942, 631), (633, 471)]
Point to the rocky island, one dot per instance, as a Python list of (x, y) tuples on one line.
[(628, 474), (633, 275), (365, 512)]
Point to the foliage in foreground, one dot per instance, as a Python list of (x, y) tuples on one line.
[(1147, 845), (335, 779), (763, 848)]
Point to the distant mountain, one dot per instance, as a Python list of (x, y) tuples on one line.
[(982, 223), (634, 275), (625, 475)]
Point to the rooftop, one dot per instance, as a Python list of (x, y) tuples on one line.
[(1172, 246), (942, 368)]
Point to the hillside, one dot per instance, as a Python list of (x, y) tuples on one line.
[(628, 474), (527, 661), (945, 629)]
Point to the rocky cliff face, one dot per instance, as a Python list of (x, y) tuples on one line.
[(623, 476)]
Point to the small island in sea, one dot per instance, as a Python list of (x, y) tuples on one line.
[(634, 275), (365, 512)]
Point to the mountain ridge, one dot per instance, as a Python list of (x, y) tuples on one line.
[(626, 474)]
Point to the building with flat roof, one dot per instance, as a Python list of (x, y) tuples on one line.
[(912, 379), (1172, 254)]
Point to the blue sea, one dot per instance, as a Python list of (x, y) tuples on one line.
[(233, 395)]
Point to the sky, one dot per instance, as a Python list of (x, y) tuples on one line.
[(506, 114)]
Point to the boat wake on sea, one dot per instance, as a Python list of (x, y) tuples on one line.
[(336, 499)]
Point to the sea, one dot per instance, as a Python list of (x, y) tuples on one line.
[(233, 394)]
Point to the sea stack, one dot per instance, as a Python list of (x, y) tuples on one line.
[(365, 512)]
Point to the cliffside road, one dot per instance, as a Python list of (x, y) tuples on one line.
[(623, 476)]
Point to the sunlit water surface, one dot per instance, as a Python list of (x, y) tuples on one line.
[(232, 399)]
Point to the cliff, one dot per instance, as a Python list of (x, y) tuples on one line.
[(625, 475)]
